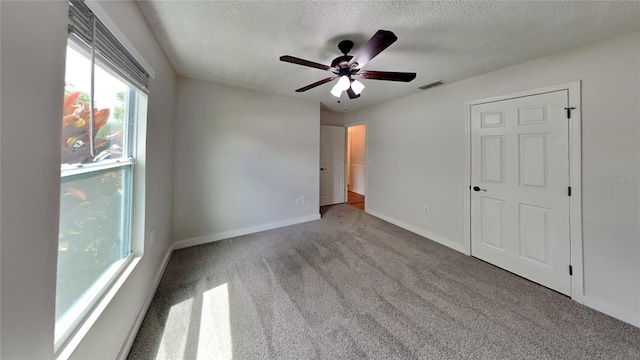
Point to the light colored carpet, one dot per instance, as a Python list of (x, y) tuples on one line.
[(351, 286)]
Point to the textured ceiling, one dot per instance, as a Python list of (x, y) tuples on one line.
[(239, 42)]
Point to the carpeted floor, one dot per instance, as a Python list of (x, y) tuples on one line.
[(350, 286)]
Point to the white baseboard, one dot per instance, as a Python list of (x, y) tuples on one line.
[(429, 235), (239, 232), (126, 347), (613, 311)]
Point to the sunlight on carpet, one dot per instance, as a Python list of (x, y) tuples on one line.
[(215, 327), (173, 340)]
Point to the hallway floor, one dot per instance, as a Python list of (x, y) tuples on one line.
[(356, 200)]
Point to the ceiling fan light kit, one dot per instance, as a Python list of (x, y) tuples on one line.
[(346, 66), (343, 84), (357, 86), (336, 90)]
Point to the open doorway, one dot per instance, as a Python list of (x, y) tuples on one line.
[(356, 165)]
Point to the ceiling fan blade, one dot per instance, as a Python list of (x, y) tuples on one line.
[(303, 62), (380, 41), (352, 94), (317, 83), (387, 75)]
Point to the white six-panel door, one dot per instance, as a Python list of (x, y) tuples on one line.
[(520, 176), (332, 142)]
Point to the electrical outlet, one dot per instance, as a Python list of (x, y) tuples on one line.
[(152, 236), (426, 210), (300, 200)]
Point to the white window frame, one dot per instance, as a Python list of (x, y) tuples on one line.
[(67, 325), (74, 325)]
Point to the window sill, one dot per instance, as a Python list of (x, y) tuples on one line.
[(74, 340)]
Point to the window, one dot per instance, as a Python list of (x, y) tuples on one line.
[(104, 88)]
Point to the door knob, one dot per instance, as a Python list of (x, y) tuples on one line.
[(477, 188), (322, 169)]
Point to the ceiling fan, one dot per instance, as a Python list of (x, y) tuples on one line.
[(346, 66)]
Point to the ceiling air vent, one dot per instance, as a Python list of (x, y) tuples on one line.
[(433, 84)]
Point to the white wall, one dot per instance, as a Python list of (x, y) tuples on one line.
[(33, 41), (416, 152), (357, 159), (242, 158), (328, 117)]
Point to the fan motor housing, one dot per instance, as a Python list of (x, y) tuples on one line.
[(341, 61)]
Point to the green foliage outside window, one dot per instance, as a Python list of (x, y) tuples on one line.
[(90, 234)]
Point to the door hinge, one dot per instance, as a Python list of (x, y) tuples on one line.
[(569, 111), (570, 270), (569, 190)]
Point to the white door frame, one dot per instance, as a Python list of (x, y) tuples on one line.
[(344, 151), (575, 175), (366, 159)]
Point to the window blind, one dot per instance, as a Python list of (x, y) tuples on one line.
[(92, 33)]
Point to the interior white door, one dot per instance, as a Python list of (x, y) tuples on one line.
[(520, 179), (332, 141)]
